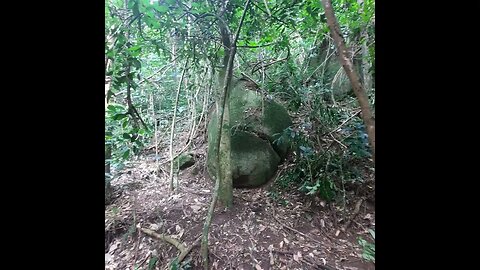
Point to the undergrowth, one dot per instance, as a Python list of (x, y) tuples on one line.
[(330, 149)]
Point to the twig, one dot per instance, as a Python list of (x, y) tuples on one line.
[(255, 68), (342, 124), (355, 213), (266, 7), (339, 142), (196, 192)]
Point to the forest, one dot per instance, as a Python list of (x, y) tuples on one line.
[(239, 134)]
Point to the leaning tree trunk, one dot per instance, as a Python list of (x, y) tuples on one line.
[(222, 109), (352, 75)]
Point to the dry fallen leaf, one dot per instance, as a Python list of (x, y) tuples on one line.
[(258, 267), (154, 227), (113, 247), (195, 208), (272, 261), (295, 257), (286, 241), (281, 244), (108, 257)]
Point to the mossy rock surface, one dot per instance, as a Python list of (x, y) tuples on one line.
[(184, 161), (255, 126)]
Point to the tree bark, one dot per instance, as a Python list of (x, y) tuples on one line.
[(224, 174), (222, 107), (347, 64)]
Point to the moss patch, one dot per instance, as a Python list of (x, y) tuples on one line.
[(184, 161)]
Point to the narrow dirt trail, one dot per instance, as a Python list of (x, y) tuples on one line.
[(263, 230)]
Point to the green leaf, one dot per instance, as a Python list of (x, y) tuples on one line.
[(152, 262), (115, 107), (174, 265), (135, 48), (125, 123), (368, 257), (372, 233), (126, 136), (126, 154), (195, 5), (161, 9), (119, 116), (131, 3)]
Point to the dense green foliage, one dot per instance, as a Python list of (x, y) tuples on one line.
[(284, 46)]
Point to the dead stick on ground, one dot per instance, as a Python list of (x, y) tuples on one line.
[(185, 252), (355, 213), (165, 238)]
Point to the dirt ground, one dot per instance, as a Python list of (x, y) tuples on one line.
[(263, 229)]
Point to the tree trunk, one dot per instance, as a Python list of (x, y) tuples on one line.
[(225, 192), (352, 75), (172, 131), (221, 108)]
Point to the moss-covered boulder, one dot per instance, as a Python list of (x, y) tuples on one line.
[(184, 161), (256, 124)]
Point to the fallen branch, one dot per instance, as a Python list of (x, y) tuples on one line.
[(184, 253), (165, 238), (181, 247), (355, 213), (187, 250)]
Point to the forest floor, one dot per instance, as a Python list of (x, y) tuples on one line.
[(264, 229)]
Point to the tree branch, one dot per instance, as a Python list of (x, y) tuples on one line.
[(347, 64)]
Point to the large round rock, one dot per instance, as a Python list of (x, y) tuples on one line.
[(256, 124)]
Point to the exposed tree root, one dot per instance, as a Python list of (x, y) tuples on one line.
[(354, 214)]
